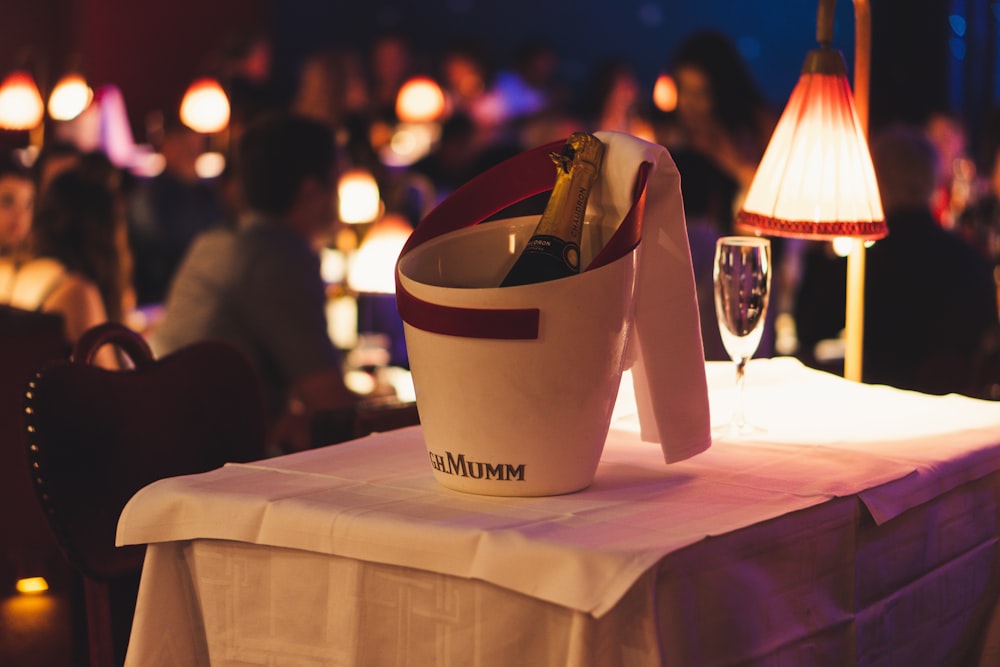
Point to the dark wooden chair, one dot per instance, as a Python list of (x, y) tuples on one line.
[(95, 437), (27, 547)]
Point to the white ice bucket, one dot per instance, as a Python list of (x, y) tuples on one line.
[(515, 386)]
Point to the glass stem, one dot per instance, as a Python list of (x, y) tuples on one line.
[(739, 419)]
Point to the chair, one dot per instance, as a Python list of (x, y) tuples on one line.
[(27, 547), (95, 437)]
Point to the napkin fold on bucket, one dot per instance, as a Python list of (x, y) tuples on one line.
[(666, 355)]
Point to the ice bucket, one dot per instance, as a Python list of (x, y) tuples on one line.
[(515, 385)]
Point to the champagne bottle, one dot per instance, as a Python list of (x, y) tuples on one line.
[(554, 248)]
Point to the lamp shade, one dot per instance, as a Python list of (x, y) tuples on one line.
[(816, 178), (21, 105)]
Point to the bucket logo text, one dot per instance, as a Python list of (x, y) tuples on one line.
[(458, 465)]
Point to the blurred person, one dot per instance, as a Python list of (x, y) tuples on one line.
[(930, 299), (333, 88), (467, 82), (73, 264), (17, 200), (453, 160), (717, 135), (96, 167), (167, 211), (390, 64), (246, 67), (956, 171), (528, 87), (613, 101), (259, 286), (54, 158), (721, 114), (979, 222)]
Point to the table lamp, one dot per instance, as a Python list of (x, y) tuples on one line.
[(816, 179)]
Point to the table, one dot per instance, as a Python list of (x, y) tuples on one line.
[(860, 529)]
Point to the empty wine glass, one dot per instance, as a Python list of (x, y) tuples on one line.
[(742, 277)]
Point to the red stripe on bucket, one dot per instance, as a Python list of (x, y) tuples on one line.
[(526, 174), (495, 323)]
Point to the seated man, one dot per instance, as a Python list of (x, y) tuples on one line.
[(930, 299), (259, 287)]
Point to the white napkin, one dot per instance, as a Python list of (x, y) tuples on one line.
[(666, 354)]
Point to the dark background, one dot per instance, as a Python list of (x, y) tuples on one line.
[(926, 55)]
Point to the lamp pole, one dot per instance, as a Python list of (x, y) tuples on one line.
[(855, 309)]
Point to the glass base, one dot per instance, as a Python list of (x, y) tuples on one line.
[(734, 431)]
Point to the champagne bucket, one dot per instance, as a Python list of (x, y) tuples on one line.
[(515, 386)]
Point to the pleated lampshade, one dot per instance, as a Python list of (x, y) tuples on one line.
[(816, 178)]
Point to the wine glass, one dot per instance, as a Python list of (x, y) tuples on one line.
[(742, 277)]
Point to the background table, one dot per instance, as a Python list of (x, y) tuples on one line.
[(861, 529)]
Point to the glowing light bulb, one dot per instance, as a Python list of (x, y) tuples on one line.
[(21, 105), (359, 198), (205, 107), (373, 266), (70, 97), (665, 93), (32, 585), (420, 100), (210, 164)]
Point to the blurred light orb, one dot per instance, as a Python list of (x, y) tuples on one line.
[(359, 382), (373, 267), (70, 97), (359, 198), (205, 107), (149, 165), (665, 93), (842, 245), (409, 143), (420, 100), (32, 585), (210, 164), (333, 266), (21, 105)]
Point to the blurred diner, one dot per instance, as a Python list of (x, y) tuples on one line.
[(717, 133), (17, 201), (259, 286), (930, 299), (74, 258), (167, 211)]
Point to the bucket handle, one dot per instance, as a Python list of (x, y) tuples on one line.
[(507, 183)]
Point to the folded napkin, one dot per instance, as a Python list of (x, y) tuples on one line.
[(666, 353)]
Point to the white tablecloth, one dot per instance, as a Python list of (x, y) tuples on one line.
[(652, 561)]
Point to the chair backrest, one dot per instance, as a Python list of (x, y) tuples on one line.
[(95, 436), (27, 340)]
